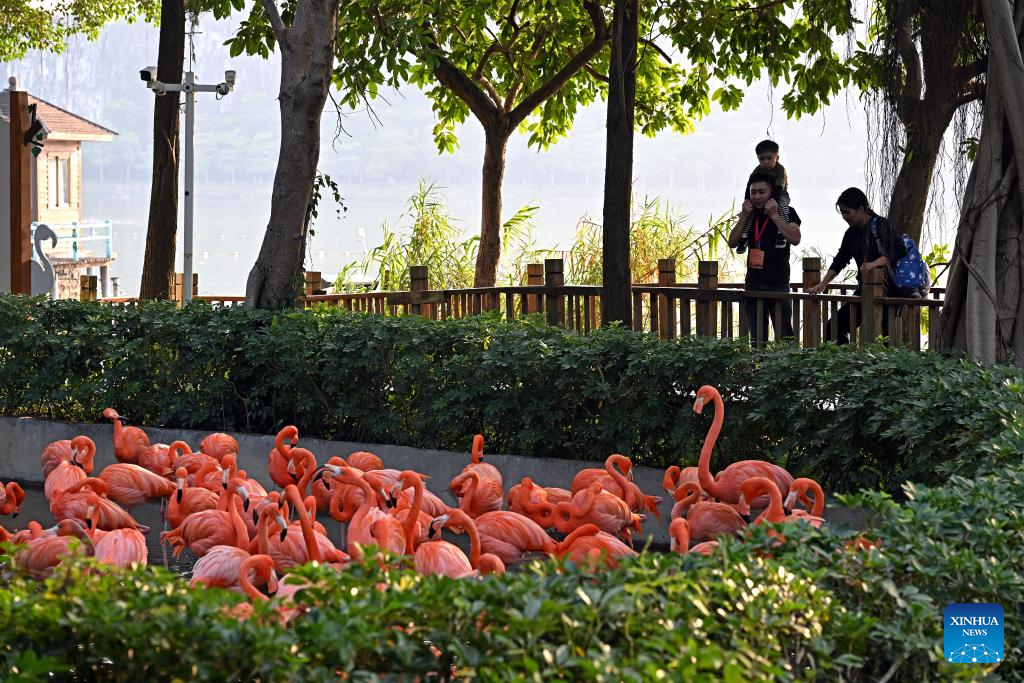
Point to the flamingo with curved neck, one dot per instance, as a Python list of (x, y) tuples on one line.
[(679, 534), (280, 457), (291, 494), (129, 442), (798, 492), (725, 486), (477, 494), (407, 479), (485, 469)]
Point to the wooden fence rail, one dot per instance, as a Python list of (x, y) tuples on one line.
[(669, 309)]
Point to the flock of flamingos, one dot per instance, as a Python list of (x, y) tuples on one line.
[(245, 536)]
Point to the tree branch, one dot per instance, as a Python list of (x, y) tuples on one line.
[(596, 74), (517, 85), (651, 43), (280, 31), (571, 68), (974, 90), (462, 85), (910, 96)]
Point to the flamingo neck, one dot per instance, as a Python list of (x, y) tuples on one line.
[(309, 468), (237, 523), (620, 478), (819, 500), (681, 534), (243, 581), (707, 482), (474, 542), (413, 515), (312, 549), (774, 512)]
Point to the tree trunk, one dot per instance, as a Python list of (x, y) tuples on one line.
[(307, 58), (910, 191), (158, 263), (984, 307), (489, 254), (616, 300)]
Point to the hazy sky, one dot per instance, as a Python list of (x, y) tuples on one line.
[(378, 163)]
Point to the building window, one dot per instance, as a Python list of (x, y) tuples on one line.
[(58, 181)]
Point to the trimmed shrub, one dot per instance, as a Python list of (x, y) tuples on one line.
[(805, 609), (851, 419)]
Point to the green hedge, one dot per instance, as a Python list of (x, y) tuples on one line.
[(850, 418), (806, 610)]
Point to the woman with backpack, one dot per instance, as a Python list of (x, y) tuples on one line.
[(872, 242)]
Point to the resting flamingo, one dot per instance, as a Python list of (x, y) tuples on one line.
[(485, 470), (365, 461), (11, 496), (252, 571), (512, 537), (477, 494), (587, 545), (441, 557), (129, 442), (532, 501), (679, 534), (78, 451), (774, 513), (706, 519), (725, 486), (617, 483), (412, 516), (675, 477), (301, 544), (201, 531), (130, 484), (120, 547), (40, 554), (279, 466), (188, 499), (594, 505), (159, 459), (798, 493), (218, 445), (73, 503)]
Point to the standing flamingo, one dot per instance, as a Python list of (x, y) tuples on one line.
[(279, 470), (725, 486), (477, 494), (679, 533), (365, 461), (119, 547), (188, 499), (201, 531), (485, 470), (73, 503), (130, 484), (11, 496), (129, 442), (413, 513), (370, 525), (532, 501), (774, 513), (78, 451), (302, 544), (587, 544), (441, 557), (160, 459), (798, 492)]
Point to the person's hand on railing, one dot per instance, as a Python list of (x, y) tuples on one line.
[(817, 289)]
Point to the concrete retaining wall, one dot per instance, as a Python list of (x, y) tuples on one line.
[(23, 439)]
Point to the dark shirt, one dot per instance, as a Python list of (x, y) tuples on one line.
[(854, 242), (776, 252)]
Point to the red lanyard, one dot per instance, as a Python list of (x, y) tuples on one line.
[(759, 230)]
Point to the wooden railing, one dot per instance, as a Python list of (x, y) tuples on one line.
[(668, 309)]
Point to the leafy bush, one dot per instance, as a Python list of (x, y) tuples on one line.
[(853, 419), (807, 609)]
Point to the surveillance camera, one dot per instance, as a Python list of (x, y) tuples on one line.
[(229, 78), (148, 74)]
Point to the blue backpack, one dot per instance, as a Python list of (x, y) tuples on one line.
[(910, 274)]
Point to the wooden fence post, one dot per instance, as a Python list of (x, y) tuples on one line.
[(871, 315), (707, 311), (534, 278), (666, 308), (88, 287), (554, 302), (811, 315), (419, 282), (178, 290), (312, 282)]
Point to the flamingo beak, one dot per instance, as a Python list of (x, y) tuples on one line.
[(790, 500), (698, 405), (672, 544), (284, 529), (181, 490), (272, 583), (224, 479), (122, 419), (245, 498), (88, 516), (15, 515), (319, 474)]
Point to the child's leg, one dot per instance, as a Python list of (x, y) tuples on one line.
[(784, 204)]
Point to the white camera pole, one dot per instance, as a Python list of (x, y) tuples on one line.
[(190, 88)]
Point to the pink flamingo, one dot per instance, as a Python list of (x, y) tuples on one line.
[(370, 525), (129, 442), (477, 494), (279, 469), (617, 483), (441, 557), (218, 445), (512, 537), (485, 470), (303, 544), (119, 547), (532, 501), (587, 545), (188, 499), (11, 496), (365, 461), (40, 554), (725, 486), (78, 451), (73, 503), (159, 459), (679, 533), (594, 505), (416, 529), (798, 493), (201, 531), (130, 484), (774, 512), (706, 519)]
